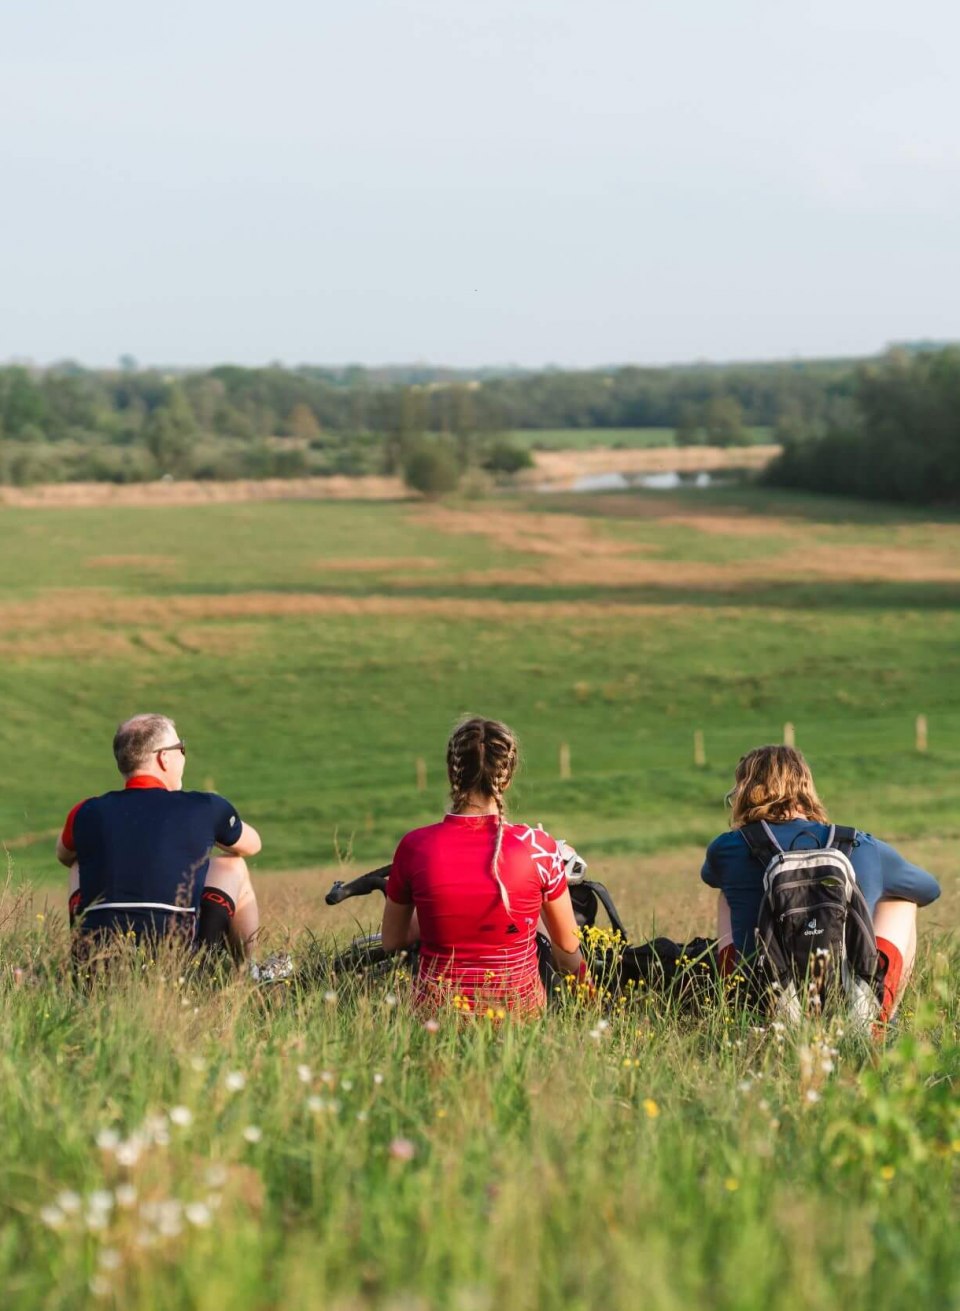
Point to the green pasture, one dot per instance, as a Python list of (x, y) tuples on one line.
[(169, 1141), (312, 723)]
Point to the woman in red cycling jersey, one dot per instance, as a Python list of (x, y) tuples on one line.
[(472, 888)]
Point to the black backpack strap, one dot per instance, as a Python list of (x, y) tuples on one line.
[(763, 845), (844, 838)]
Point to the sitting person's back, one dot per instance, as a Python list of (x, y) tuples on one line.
[(467, 934), (472, 888), (140, 857), (774, 792)]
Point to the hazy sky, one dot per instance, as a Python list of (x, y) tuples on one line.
[(476, 182)]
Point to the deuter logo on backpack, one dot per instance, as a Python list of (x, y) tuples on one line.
[(816, 949)]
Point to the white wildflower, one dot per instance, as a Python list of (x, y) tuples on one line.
[(235, 1081), (198, 1213), (69, 1202), (108, 1140), (52, 1217), (253, 1133), (182, 1116), (126, 1196), (304, 1073)]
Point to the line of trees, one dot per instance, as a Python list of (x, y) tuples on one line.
[(902, 442), (130, 424)]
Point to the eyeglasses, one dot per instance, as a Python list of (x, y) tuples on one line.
[(180, 746)]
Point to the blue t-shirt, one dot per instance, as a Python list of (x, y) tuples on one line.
[(143, 855), (881, 872)]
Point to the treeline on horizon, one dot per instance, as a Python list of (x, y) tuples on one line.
[(66, 422), (901, 443)]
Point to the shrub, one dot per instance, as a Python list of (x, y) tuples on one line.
[(431, 468)]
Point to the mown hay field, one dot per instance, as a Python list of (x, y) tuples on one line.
[(168, 1143)]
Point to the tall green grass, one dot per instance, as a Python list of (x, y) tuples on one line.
[(172, 1143)]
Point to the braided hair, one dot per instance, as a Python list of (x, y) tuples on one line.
[(482, 756)]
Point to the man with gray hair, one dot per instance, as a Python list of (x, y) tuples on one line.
[(140, 858)]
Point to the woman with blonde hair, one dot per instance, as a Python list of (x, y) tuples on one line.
[(473, 888), (773, 784)]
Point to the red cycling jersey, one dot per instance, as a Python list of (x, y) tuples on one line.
[(471, 945)]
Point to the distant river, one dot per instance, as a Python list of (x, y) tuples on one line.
[(668, 481)]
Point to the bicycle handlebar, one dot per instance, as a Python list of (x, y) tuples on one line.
[(374, 881)]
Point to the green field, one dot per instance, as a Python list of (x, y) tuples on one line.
[(311, 653)]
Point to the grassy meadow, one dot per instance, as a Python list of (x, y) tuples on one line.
[(171, 1143)]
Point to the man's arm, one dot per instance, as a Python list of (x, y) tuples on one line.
[(64, 854), (247, 844)]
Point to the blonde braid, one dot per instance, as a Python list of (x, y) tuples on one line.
[(481, 757)]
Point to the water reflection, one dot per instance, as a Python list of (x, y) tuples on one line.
[(658, 482)]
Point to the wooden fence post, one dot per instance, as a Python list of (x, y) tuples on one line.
[(789, 735), (421, 774), (921, 732), (699, 750), (564, 760)]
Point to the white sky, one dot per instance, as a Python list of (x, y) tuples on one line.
[(476, 181)]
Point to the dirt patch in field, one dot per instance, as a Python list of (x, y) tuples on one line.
[(379, 564), (575, 552), (82, 495), (79, 622), (152, 563), (556, 536)]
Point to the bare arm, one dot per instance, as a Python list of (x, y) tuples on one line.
[(64, 854), (399, 928), (561, 924), (247, 844)]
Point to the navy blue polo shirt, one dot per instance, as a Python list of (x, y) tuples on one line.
[(143, 854)]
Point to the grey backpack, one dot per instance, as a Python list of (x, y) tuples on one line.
[(816, 948)]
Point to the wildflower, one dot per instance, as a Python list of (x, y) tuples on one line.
[(362, 1116), (330, 997), (304, 1073), (109, 1259), (812, 1095), (198, 1214), (69, 1202), (402, 1149), (253, 1133), (215, 1176), (651, 1108), (100, 1200), (169, 1223), (128, 1152), (378, 1078), (108, 1140), (887, 1172), (181, 1116), (731, 1184), (346, 1084), (235, 1081), (390, 999), (52, 1217), (431, 1026), (126, 1196)]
